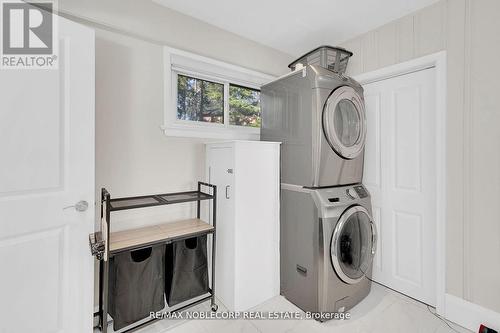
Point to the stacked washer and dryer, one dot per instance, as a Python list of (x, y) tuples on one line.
[(327, 235)]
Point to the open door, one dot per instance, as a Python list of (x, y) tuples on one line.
[(47, 190)]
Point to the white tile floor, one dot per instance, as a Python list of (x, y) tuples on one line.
[(382, 311)]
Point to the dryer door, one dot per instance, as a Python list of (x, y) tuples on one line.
[(352, 246), (344, 122)]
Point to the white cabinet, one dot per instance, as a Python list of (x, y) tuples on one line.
[(246, 174)]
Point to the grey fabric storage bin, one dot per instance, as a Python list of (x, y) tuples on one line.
[(136, 285), (186, 272)]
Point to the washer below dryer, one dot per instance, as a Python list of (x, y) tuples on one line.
[(327, 245)]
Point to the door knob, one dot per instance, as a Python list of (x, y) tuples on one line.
[(80, 206)]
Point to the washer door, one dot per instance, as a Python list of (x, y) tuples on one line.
[(344, 122), (353, 244)]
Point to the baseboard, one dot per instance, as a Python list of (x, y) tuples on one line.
[(470, 315)]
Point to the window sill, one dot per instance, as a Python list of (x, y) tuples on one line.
[(227, 133)]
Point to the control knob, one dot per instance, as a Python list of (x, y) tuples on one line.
[(351, 193)]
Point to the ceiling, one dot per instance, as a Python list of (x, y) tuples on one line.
[(296, 26)]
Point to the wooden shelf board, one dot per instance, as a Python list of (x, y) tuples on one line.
[(155, 233)]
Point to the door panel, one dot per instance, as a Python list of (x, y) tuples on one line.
[(220, 173), (406, 139), (17, 174), (47, 149), (399, 172), (47, 259), (408, 242)]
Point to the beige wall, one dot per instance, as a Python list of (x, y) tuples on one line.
[(469, 30)]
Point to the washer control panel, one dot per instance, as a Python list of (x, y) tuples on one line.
[(342, 194)]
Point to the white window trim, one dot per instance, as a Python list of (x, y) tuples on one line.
[(182, 62)]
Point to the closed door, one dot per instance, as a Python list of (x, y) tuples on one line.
[(47, 190), (220, 173), (400, 173)]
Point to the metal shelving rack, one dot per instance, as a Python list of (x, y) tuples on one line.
[(101, 241)]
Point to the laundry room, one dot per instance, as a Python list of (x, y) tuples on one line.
[(223, 166)]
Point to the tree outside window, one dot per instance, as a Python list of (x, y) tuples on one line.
[(199, 100), (203, 101), (244, 106)]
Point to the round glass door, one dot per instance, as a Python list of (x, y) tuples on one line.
[(353, 244), (344, 122)]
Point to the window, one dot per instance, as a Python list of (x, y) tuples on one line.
[(207, 98), (203, 101), (199, 100), (244, 106)]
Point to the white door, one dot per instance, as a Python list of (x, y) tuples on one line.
[(47, 163), (400, 173), (220, 173)]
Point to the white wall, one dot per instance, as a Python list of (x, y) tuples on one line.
[(133, 156), (469, 30), (158, 24)]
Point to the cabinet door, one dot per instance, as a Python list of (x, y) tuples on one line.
[(220, 173)]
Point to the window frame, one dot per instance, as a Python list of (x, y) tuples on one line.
[(184, 63)]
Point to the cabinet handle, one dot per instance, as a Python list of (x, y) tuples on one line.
[(227, 191)]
